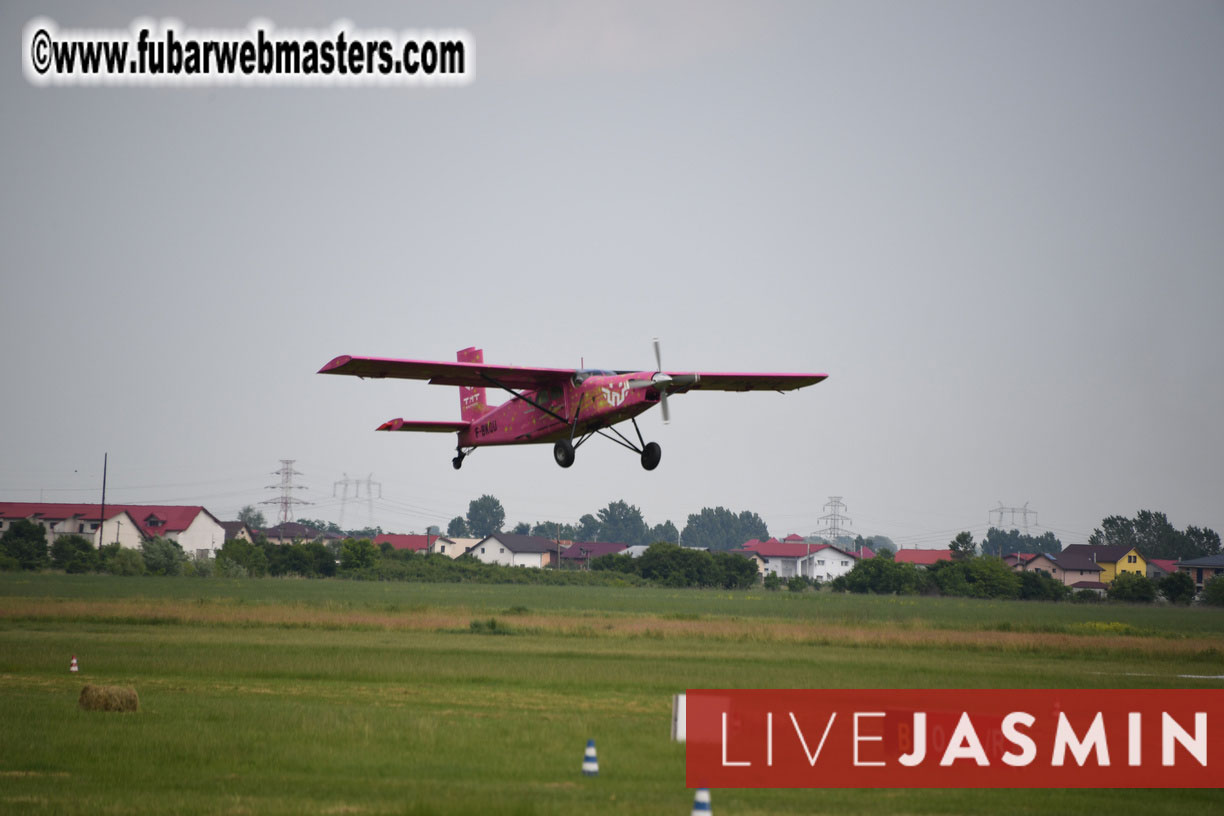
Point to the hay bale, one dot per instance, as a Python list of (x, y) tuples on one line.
[(109, 698)]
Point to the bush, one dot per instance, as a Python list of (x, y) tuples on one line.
[(359, 554), (772, 581), (1037, 586), (1086, 596), (1131, 587), (9, 564), (26, 541), (883, 577), (1177, 587), (984, 577), (1213, 591), (797, 583), (125, 562), (74, 554), (228, 568), (200, 566), (162, 556)]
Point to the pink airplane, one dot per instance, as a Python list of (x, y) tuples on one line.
[(564, 406)]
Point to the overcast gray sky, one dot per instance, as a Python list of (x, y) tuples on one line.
[(999, 227)]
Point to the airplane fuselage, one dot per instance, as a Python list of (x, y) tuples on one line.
[(597, 401)]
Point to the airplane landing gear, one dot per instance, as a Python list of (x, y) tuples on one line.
[(651, 454), (563, 452), (457, 462)]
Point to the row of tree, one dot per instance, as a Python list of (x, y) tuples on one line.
[(675, 566), (716, 528), (990, 577)]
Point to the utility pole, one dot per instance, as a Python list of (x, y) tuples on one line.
[(286, 488)]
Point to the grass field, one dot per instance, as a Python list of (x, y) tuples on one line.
[(291, 696)]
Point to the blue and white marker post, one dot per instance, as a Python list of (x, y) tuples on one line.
[(701, 803), (590, 765)]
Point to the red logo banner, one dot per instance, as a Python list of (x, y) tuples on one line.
[(945, 738)]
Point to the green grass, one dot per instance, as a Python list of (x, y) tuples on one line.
[(359, 710)]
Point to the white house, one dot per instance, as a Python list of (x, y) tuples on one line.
[(195, 529), (786, 559), (512, 550)]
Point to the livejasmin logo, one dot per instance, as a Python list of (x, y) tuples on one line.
[(946, 738)]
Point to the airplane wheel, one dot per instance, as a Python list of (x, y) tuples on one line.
[(563, 452), (457, 462), (651, 456)]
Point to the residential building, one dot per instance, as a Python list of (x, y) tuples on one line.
[(237, 530), (921, 558), (452, 546), (195, 529), (1202, 569), (1070, 569), (787, 559), (412, 541), (513, 550), (1160, 567), (580, 554), (291, 531), (1113, 559)]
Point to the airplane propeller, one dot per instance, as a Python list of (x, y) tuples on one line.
[(664, 383)]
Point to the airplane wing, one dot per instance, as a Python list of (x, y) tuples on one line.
[(473, 375), (422, 427), (713, 381)]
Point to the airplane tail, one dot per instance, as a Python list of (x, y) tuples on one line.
[(472, 404)]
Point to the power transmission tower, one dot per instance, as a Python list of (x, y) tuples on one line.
[(356, 484), (834, 521), (286, 488), (1024, 512)]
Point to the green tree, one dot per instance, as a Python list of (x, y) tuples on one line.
[(357, 554), (74, 554), (322, 526), (987, 577), (163, 556), (26, 541), (588, 529), (1129, 586), (622, 522), (962, 546), (1177, 587), (252, 518), (485, 516), (664, 532), (556, 530), (1154, 536), (720, 529), (1213, 592), (882, 576), (772, 581), (457, 528), (1037, 586), (1000, 543), (522, 528), (125, 561)]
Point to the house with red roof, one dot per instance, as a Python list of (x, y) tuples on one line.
[(789, 558), (195, 529), (922, 558), (411, 541)]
